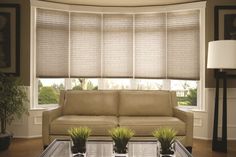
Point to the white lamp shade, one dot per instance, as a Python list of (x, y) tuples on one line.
[(222, 54)]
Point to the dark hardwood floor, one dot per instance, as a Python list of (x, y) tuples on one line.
[(202, 148), (24, 148), (33, 148)]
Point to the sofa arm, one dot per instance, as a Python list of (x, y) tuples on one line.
[(187, 117), (48, 117)]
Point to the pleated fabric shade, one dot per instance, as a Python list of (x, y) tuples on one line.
[(52, 44), (151, 45)]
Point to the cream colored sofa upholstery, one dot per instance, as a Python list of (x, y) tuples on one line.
[(142, 111)]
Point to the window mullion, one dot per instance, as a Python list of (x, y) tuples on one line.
[(36, 92), (166, 33), (166, 84), (133, 81), (34, 79), (133, 84), (68, 83), (101, 81), (133, 46), (69, 48)]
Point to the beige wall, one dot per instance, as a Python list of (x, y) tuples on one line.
[(210, 81), (24, 38)]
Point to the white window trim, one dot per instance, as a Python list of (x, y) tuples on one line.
[(115, 10), (124, 10), (34, 88)]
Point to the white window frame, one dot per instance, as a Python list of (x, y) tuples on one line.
[(123, 10)]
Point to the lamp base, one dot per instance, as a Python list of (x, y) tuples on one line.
[(219, 145)]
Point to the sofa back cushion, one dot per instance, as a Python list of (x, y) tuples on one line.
[(145, 103), (91, 103)]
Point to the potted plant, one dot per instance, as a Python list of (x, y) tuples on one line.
[(121, 137), (165, 137), (79, 137), (13, 103)]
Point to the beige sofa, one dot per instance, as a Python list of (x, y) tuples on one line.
[(142, 111)]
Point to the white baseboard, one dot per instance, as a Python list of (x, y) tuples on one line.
[(201, 138), (206, 138)]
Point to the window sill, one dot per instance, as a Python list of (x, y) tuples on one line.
[(37, 109), (43, 107), (199, 111), (192, 108)]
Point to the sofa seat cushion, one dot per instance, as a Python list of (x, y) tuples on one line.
[(144, 126), (98, 124)]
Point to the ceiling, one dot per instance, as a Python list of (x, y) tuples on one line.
[(121, 2)]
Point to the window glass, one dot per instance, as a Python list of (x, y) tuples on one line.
[(186, 92), (49, 90), (116, 83), (146, 84), (84, 84)]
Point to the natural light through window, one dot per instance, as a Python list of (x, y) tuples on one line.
[(84, 84), (146, 84), (49, 90), (116, 84), (186, 92)]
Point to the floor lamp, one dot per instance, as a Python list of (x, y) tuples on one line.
[(221, 56)]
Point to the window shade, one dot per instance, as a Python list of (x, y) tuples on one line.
[(85, 39), (183, 45), (52, 34), (164, 45), (150, 46), (117, 45)]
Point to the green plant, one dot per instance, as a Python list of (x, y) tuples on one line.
[(121, 137), (48, 95), (190, 98), (79, 137), (166, 138), (13, 100), (80, 133)]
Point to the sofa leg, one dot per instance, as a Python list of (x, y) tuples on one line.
[(189, 148), (45, 146)]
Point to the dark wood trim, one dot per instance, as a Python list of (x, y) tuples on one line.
[(220, 143), (216, 18), (18, 40), (17, 60)]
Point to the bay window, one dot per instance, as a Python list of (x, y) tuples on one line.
[(102, 50)]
